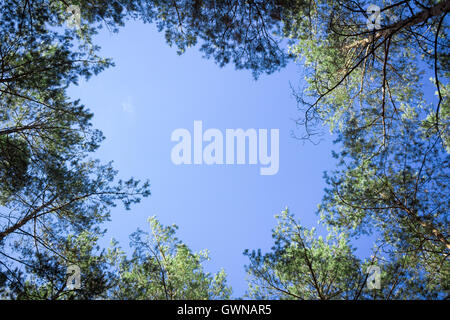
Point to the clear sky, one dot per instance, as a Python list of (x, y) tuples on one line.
[(151, 92)]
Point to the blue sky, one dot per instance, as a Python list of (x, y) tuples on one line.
[(225, 208)]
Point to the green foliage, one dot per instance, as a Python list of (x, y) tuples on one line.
[(162, 267), (50, 189), (304, 266), (246, 33), (391, 182), (368, 80), (369, 87), (301, 266), (14, 161), (45, 276), (399, 194)]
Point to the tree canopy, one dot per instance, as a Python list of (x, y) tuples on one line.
[(377, 77), (367, 85)]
